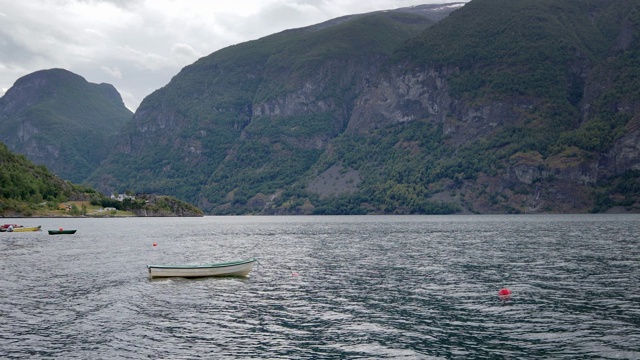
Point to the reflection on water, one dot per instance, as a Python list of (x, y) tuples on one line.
[(343, 287)]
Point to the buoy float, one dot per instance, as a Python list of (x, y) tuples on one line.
[(154, 243), (504, 294), (61, 229)]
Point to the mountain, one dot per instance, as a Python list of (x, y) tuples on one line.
[(219, 109), (58, 119), (500, 107)]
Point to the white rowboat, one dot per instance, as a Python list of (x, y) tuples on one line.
[(232, 268)]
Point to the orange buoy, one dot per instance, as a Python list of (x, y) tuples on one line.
[(504, 294)]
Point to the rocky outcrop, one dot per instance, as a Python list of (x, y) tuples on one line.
[(335, 181), (301, 102), (425, 94), (625, 153), (397, 97)]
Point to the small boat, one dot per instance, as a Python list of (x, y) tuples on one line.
[(9, 227), (26, 229), (61, 231), (232, 268)]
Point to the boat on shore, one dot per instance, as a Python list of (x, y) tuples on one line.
[(61, 232), (26, 229), (231, 268)]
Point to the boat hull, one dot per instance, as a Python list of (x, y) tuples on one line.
[(26, 229), (234, 268), (61, 232)]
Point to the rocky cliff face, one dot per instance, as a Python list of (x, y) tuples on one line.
[(623, 156), (400, 96), (409, 92)]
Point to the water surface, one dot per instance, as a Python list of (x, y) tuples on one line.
[(413, 287)]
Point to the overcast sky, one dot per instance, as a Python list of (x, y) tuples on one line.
[(138, 45)]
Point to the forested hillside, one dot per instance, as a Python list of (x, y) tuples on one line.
[(501, 107), (29, 190), (25, 187)]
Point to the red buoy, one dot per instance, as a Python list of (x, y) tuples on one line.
[(154, 243), (60, 229), (504, 294)]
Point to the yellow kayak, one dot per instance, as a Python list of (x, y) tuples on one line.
[(25, 229)]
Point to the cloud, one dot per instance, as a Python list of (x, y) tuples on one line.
[(139, 45), (184, 50), (113, 72)]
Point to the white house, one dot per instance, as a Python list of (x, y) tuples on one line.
[(121, 197)]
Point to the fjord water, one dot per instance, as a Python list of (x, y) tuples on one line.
[(410, 287)]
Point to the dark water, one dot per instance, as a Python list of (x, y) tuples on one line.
[(327, 287)]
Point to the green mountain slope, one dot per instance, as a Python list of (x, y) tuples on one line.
[(503, 106), (58, 119), (197, 131)]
